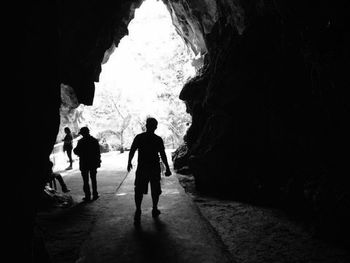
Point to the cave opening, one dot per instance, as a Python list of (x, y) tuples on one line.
[(141, 77), (273, 100)]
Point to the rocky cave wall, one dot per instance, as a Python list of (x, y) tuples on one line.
[(269, 106), (270, 77)]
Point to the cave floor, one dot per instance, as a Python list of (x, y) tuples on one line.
[(104, 230), (190, 228)]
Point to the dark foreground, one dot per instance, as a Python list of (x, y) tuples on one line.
[(191, 228)]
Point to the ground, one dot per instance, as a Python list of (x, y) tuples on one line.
[(256, 234), (249, 233)]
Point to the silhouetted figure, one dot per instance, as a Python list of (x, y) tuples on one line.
[(68, 146), (56, 176), (149, 146), (88, 150)]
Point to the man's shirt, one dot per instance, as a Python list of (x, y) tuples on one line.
[(149, 145)]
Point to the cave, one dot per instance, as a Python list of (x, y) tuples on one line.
[(269, 103)]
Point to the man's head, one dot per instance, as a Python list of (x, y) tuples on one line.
[(67, 130), (151, 124), (84, 131)]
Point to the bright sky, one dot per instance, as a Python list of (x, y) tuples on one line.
[(125, 70)]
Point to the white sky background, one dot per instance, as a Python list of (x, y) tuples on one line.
[(149, 41)]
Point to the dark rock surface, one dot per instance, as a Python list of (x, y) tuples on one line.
[(269, 107)]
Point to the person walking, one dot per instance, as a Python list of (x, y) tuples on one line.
[(88, 151), (149, 146), (68, 146)]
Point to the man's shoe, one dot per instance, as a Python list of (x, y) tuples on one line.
[(155, 212), (137, 216), (95, 197)]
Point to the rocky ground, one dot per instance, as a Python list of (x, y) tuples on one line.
[(255, 234)]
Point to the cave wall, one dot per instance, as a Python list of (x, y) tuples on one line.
[(31, 85), (269, 106), (89, 32), (270, 103)]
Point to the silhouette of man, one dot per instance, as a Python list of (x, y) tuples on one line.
[(149, 146), (88, 150), (68, 146)]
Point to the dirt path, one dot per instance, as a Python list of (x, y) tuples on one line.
[(101, 230), (179, 235), (65, 229)]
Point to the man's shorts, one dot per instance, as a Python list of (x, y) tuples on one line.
[(143, 178)]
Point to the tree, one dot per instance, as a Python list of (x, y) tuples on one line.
[(143, 77), (125, 123)]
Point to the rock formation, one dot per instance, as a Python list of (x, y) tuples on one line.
[(269, 105)]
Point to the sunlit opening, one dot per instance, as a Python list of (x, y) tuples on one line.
[(142, 77)]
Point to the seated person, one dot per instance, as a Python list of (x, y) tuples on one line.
[(52, 176)]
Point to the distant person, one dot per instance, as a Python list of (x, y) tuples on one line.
[(88, 150), (56, 176), (149, 146), (68, 146)]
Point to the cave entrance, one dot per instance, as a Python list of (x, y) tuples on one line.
[(141, 77)]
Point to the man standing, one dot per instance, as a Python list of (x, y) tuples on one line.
[(149, 146), (68, 146), (88, 150)]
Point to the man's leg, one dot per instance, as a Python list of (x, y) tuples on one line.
[(155, 199), (69, 153), (139, 183), (93, 173), (156, 191), (155, 210), (138, 199), (62, 183), (86, 186)]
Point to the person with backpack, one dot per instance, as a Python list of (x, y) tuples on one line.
[(88, 151)]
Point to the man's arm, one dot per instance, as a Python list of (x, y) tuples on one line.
[(98, 153), (76, 150), (165, 161), (131, 154)]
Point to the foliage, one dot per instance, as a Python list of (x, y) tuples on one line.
[(143, 77)]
